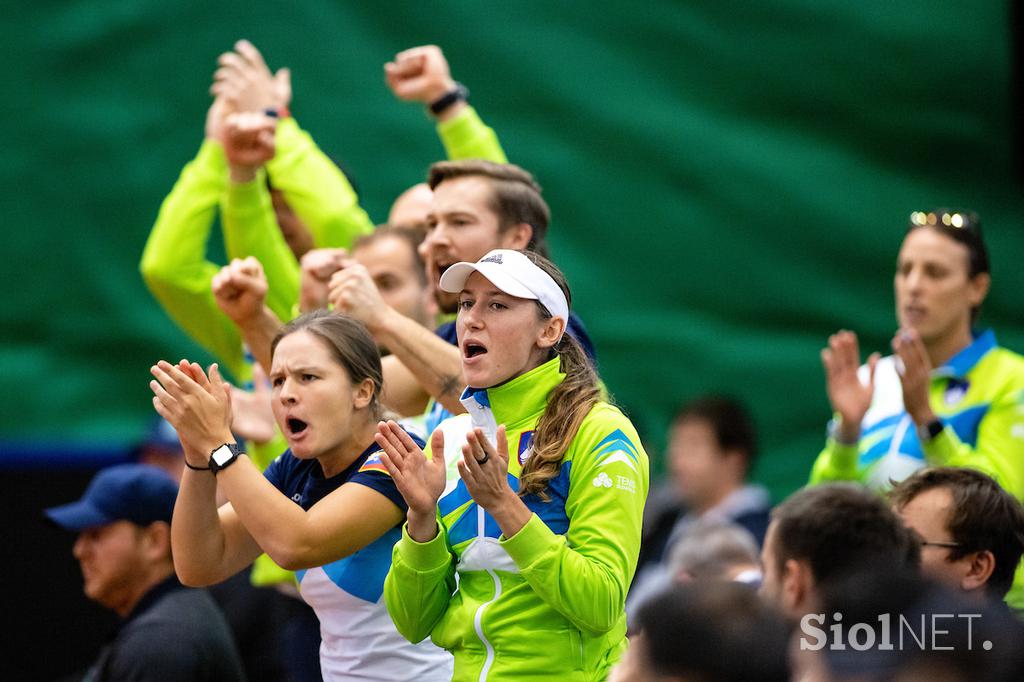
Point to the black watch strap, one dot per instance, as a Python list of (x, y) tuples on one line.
[(224, 456), (929, 431), (459, 92)]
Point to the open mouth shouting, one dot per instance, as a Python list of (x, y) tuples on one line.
[(295, 428), (472, 349)]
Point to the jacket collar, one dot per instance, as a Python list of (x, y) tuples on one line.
[(516, 400), (964, 361)]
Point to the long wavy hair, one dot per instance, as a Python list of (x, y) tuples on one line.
[(567, 405)]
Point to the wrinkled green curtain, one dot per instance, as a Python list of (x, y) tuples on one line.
[(729, 180)]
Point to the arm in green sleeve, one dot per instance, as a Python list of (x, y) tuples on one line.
[(585, 574), (999, 450), (420, 584), (316, 189), (837, 462), (174, 264), (465, 136), (250, 229)]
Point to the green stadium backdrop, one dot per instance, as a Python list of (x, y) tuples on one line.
[(729, 180)]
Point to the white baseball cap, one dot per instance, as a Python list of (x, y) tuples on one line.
[(513, 273)]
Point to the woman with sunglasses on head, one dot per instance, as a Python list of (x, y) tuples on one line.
[(325, 508), (523, 524), (948, 395)]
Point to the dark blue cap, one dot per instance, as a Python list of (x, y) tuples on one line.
[(138, 493)]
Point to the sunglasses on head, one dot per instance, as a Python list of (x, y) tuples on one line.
[(957, 220)]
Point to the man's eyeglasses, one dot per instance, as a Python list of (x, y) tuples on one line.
[(929, 543)]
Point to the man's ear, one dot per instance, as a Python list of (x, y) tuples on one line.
[(553, 330), (797, 584), (517, 236), (156, 540), (979, 570)]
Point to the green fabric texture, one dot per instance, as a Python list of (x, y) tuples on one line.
[(729, 181)]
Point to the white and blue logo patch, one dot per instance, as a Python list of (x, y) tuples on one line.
[(617, 447), (525, 441), (955, 392)]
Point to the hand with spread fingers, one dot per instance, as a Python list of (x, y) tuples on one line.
[(849, 397), (915, 376), (197, 406), (243, 78), (420, 480), (484, 470)]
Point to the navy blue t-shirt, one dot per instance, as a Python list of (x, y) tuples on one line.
[(575, 328), (302, 480)]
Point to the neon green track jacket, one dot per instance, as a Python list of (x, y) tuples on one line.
[(174, 264), (547, 603)]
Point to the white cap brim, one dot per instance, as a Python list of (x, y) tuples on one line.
[(512, 273)]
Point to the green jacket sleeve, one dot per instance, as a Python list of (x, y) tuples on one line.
[(999, 450), (420, 584), (837, 462), (174, 264), (585, 574), (316, 189), (250, 229), (465, 136)]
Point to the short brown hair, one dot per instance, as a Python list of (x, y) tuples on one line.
[(840, 527), (515, 199), (349, 342), (984, 518), (410, 235)]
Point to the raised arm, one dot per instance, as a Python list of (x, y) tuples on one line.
[(421, 581), (850, 398), (240, 289), (208, 544), (174, 264), (345, 521), (312, 185), (421, 74), (423, 364), (998, 450), (250, 227)]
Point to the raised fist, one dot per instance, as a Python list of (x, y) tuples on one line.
[(248, 142), (352, 291), (317, 267), (240, 289), (419, 74)]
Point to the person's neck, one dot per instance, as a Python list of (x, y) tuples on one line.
[(153, 577), (941, 350), (341, 457)]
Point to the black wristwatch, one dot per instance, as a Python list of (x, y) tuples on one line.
[(929, 431), (224, 456), (459, 93)]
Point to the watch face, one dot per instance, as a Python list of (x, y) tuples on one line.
[(222, 455)]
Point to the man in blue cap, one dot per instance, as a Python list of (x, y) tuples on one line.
[(168, 632)]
